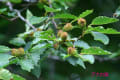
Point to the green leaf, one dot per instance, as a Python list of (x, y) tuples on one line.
[(45, 35), (26, 64), (16, 1), (4, 49), (81, 63), (37, 71), (4, 59), (65, 16), (88, 58), (81, 44), (28, 16), (35, 57), (103, 20), (17, 42), (94, 51), (117, 12), (48, 9), (37, 48), (3, 10), (17, 77), (37, 20), (100, 37), (76, 61), (85, 13), (102, 30), (5, 75)]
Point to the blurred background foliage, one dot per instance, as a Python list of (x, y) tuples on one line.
[(58, 70)]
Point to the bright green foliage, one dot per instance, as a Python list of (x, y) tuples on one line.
[(85, 13), (3, 10), (65, 16), (16, 1), (95, 51), (48, 9), (103, 20), (4, 49), (102, 30), (17, 77)]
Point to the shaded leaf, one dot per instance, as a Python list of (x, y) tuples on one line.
[(81, 44), (88, 58), (117, 12), (26, 64), (76, 61), (4, 59), (100, 37), (17, 42), (37, 71)]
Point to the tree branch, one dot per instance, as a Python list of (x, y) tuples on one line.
[(20, 16), (52, 14)]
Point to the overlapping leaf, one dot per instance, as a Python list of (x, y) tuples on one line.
[(100, 37)]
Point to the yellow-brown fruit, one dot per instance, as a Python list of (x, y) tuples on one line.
[(21, 51), (71, 51), (38, 29), (18, 52), (31, 34), (15, 52), (56, 45), (82, 22), (64, 36), (59, 33), (67, 27)]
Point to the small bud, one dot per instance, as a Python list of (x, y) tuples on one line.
[(71, 51), (59, 33), (67, 27), (56, 45), (82, 22), (64, 36)]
